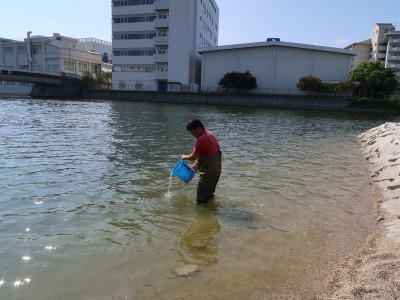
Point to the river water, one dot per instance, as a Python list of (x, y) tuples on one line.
[(85, 213)]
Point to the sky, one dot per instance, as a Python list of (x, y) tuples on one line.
[(317, 22)]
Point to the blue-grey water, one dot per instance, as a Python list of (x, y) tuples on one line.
[(85, 213)]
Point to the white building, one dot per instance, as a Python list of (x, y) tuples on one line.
[(57, 54), (363, 49), (377, 41), (392, 59), (384, 46), (277, 65), (156, 42)]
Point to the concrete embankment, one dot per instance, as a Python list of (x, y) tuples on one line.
[(243, 100), (374, 271)]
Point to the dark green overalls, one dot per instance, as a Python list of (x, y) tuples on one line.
[(209, 171)]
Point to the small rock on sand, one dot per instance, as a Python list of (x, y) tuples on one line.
[(186, 270)]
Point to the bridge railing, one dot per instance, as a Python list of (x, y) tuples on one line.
[(45, 72)]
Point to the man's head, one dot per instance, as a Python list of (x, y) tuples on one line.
[(195, 127)]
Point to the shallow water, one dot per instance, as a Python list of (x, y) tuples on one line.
[(87, 210)]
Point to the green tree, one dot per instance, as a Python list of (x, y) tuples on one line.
[(374, 79), (238, 80), (345, 86), (103, 80), (88, 79), (310, 83)]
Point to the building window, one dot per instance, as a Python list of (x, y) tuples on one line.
[(69, 66), (83, 67), (9, 50), (134, 18), (22, 50), (37, 67), (162, 68), (95, 68), (53, 67), (135, 52), (37, 49), (134, 68), (138, 86), (162, 50), (122, 85), (139, 35), (132, 2), (162, 32)]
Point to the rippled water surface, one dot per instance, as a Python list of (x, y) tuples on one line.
[(85, 214)]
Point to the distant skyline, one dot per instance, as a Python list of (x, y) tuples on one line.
[(333, 24)]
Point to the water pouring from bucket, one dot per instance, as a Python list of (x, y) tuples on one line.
[(183, 172)]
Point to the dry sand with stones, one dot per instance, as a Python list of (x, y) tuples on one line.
[(374, 271)]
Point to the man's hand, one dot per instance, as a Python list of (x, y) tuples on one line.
[(192, 156)]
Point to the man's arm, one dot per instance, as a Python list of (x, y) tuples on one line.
[(192, 156)]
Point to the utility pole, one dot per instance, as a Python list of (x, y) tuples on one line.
[(29, 46)]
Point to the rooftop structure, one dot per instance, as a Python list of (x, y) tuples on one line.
[(99, 46)]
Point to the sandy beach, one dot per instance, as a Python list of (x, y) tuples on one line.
[(373, 272)]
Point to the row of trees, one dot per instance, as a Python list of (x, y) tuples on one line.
[(314, 84), (369, 79)]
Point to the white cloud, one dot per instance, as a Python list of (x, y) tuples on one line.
[(341, 41)]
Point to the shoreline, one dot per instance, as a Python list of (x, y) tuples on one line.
[(373, 272)]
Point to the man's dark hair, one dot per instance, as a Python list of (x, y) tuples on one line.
[(194, 124)]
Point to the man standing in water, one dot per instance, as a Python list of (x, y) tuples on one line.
[(208, 155)]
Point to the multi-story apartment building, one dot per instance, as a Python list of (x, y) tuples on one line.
[(379, 47), (392, 60), (384, 46), (156, 42)]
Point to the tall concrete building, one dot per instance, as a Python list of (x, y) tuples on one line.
[(379, 46), (156, 42), (384, 46)]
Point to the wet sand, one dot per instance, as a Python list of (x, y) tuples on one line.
[(373, 272)]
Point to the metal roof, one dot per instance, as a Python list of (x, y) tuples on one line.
[(279, 44)]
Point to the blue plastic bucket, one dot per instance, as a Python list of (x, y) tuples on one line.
[(183, 171)]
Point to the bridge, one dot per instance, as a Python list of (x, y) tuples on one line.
[(46, 83)]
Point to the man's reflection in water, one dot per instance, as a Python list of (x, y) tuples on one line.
[(199, 238)]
